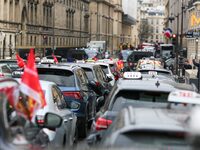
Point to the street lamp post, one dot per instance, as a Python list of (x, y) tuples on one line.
[(196, 54)]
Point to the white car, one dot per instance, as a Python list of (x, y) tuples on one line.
[(66, 134), (107, 69), (5, 71)]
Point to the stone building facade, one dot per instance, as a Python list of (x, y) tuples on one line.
[(193, 45), (151, 21), (117, 26), (45, 25), (101, 21)]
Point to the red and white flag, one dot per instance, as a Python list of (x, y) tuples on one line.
[(20, 61), (55, 59), (30, 86)]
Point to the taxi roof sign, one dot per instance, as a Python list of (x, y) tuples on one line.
[(132, 75), (184, 96)]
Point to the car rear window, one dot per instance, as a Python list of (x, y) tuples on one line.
[(139, 99), (104, 68), (60, 77), (157, 72), (135, 57), (153, 139), (5, 69), (89, 73)]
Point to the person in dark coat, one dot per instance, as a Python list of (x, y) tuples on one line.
[(197, 65)]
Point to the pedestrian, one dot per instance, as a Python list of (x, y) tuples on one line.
[(186, 66), (197, 65)]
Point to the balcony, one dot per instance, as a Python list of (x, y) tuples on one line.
[(191, 3)]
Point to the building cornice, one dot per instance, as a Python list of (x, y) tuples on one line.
[(107, 2)]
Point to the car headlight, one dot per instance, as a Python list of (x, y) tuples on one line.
[(75, 105)]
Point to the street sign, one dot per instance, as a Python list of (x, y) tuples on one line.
[(193, 34)]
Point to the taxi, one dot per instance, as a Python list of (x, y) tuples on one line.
[(140, 127), (133, 90), (148, 63)]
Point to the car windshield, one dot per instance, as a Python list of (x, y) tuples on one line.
[(139, 99), (136, 56), (60, 77), (153, 139)]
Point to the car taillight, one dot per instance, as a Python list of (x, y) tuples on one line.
[(76, 95), (102, 124), (2, 75), (97, 83)]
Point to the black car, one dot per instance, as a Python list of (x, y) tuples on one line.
[(73, 83), (135, 56)]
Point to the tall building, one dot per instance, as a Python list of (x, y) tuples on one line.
[(101, 21), (45, 25), (151, 21), (117, 26), (178, 20)]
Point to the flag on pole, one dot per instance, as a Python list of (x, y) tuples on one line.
[(20, 61), (167, 33), (11, 91), (30, 86), (55, 59)]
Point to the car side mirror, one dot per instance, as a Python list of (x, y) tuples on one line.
[(52, 121), (109, 79), (93, 86)]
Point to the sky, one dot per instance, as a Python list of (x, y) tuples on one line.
[(130, 7)]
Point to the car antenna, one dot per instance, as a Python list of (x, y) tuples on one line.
[(157, 84)]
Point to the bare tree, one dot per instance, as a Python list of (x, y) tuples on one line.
[(145, 30)]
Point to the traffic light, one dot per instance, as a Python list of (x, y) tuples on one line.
[(174, 38)]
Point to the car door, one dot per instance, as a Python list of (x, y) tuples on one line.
[(60, 105), (88, 94)]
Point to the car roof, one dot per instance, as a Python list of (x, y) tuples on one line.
[(101, 63), (154, 119), (57, 66), (43, 83), (88, 65), (152, 85), (156, 69)]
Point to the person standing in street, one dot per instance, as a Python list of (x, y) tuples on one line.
[(198, 67)]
